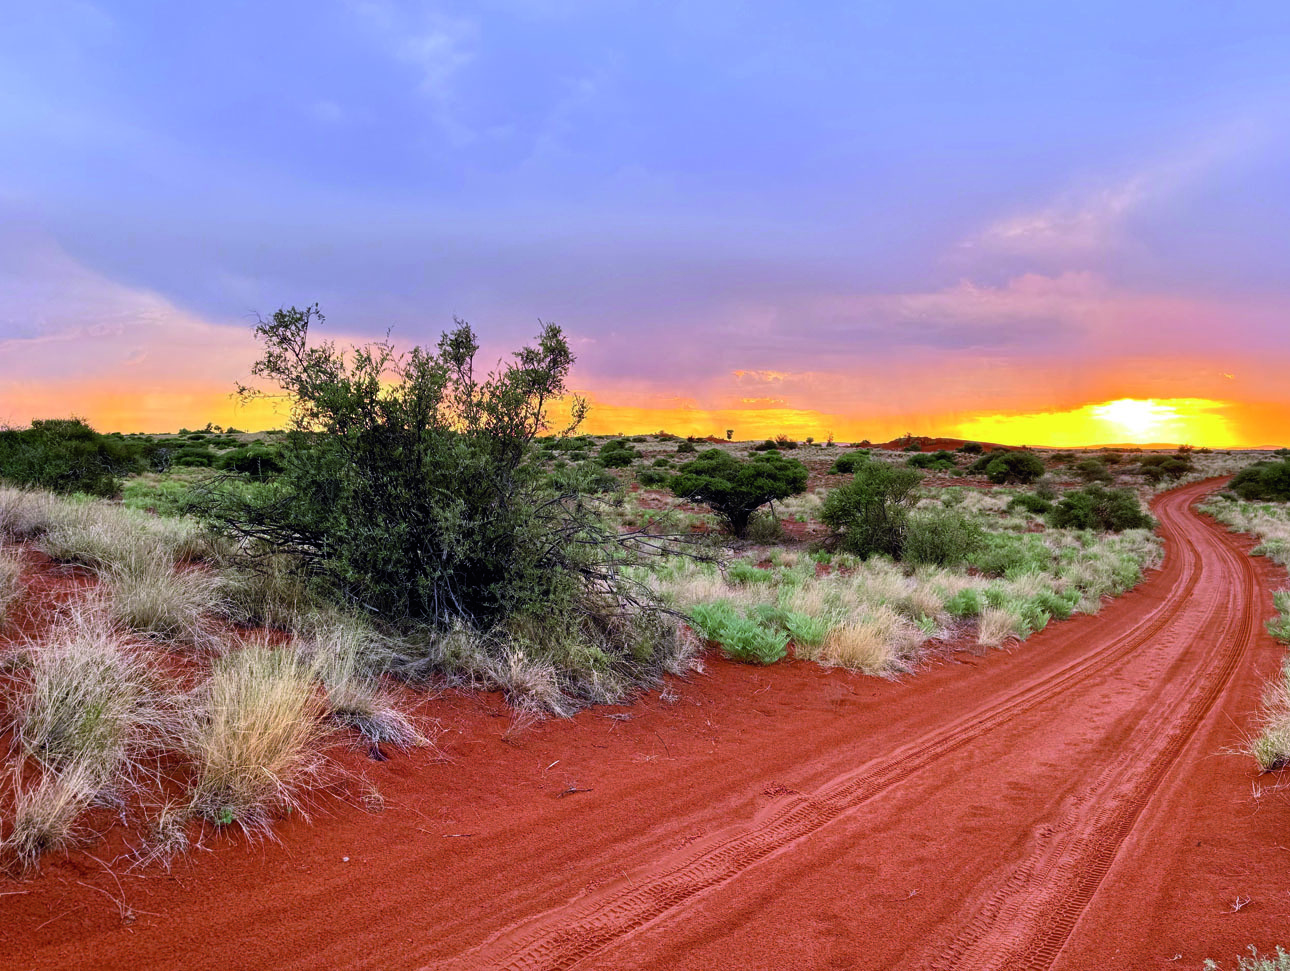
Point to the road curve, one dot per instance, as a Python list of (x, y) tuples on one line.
[(1065, 805)]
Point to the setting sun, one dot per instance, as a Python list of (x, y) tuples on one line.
[(1123, 421)]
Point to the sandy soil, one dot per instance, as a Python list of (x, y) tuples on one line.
[(1071, 804)]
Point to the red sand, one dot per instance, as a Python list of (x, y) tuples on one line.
[(1071, 804)]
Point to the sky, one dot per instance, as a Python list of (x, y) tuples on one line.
[(1032, 223)]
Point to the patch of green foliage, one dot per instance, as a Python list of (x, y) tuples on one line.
[(1263, 481), (870, 513), (1018, 466), (742, 638), (1110, 510), (941, 537), (66, 455), (734, 489), (1030, 503), (941, 461), (848, 462)]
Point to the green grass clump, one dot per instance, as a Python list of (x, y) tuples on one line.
[(1256, 961), (740, 637)]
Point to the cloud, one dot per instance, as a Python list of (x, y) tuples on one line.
[(436, 46)]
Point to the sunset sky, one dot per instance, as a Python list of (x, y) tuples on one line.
[(1035, 223)]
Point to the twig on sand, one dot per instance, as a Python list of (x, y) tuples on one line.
[(570, 791)]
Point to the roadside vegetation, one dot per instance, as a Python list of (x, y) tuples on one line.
[(1269, 522)]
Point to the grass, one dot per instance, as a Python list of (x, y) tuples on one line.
[(1280, 961), (149, 595), (342, 658), (11, 585), (86, 698), (26, 514), (45, 814), (1270, 523), (252, 730)]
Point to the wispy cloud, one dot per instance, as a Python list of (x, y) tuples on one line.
[(436, 46)]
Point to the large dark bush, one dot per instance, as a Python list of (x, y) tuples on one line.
[(1100, 509), (848, 462), (735, 489), (1020, 466), (406, 488), (66, 455), (1263, 481), (256, 461), (1092, 470), (870, 513)]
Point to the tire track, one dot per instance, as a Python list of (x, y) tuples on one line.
[(1026, 924), (563, 937)]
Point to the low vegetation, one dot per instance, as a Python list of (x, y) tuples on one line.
[(1270, 523)]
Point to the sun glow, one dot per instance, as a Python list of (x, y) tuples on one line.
[(1142, 421)]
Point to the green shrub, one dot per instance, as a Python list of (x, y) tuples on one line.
[(870, 513), (408, 489), (256, 461), (685, 447), (1093, 470), (735, 489), (965, 603), (1020, 466), (767, 446), (848, 462), (617, 454), (942, 537), (1263, 481), (1030, 503), (971, 448), (741, 571), (66, 455), (941, 461), (1157, 468), (1101, 509), (784, 442), (653, 477)]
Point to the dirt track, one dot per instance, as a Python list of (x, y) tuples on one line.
[(1067, 805)]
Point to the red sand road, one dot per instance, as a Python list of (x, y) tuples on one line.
[(1072, 804)]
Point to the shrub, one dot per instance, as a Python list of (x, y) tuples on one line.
[(848, 462), (251, 731), (870, 513), (940, 538), (653, 477), (256, 461), (770, 445), (1263, 481), (618, 454), (735, 489), (409, 488), (941, 461), (65, 455), (784, 442), (1157, 468), (685, 447), (1092, 470), (1019, 466), (1030, 503), (1102, 509), (971, 448)]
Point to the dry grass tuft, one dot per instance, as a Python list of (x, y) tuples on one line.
[(252, 732), (148, 595), (342, 653), (86, 698), (11, 586), (996, 626), (45, 814), (1271, 747), (26, 514), (880, 643)]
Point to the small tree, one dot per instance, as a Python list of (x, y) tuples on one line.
[(730, 434), (736, 489), (66, 455), (871, 512)]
